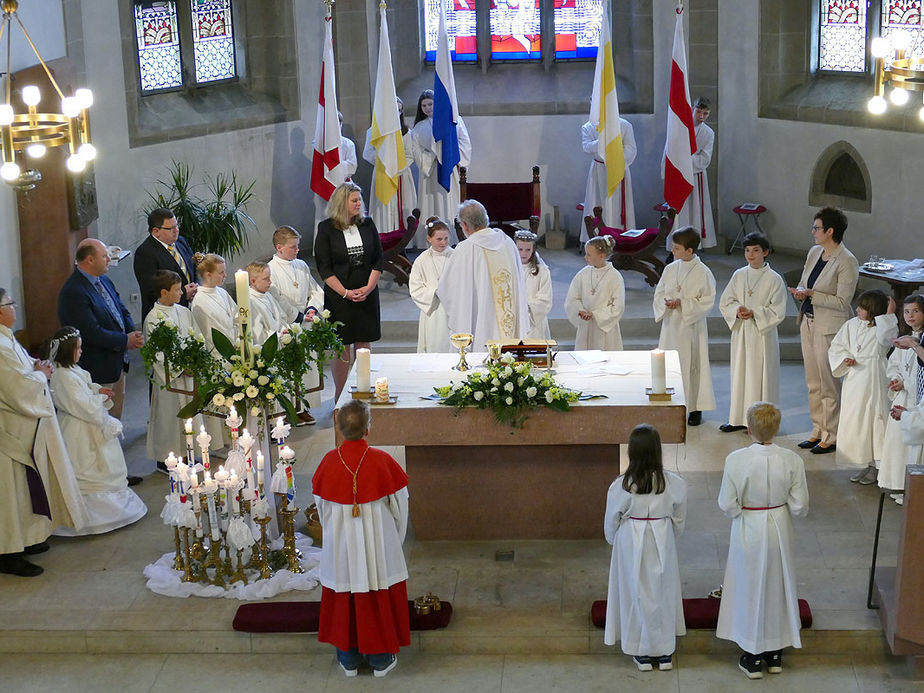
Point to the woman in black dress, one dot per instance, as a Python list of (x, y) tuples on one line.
[(349, 257)]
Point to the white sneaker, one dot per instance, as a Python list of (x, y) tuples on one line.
[(350, 673), (384, 672), (899, 498)]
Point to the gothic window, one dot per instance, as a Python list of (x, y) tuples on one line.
[(577, 28), (900, 21), (846, 28)]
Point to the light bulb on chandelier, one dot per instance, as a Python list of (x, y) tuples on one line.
[(877, 105), (899, 96), (75, 164), (36, 150), (9, 171)]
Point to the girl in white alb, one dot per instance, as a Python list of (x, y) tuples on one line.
[(92, 440), (538, 280), (432, 327), (596, 299), (858, 355)]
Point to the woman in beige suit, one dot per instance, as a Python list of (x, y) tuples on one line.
[(826, 290)]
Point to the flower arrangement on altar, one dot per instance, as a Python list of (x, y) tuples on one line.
[(179, 353), (510, 390)]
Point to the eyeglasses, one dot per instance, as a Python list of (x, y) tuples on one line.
[(168, 228), (11, 303), (817, 228)]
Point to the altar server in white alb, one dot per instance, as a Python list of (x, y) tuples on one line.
[(906, 388), (393, 215), (538, 281), (92, 439), (432, 326), (858, 355), (697, 210), (645, 513), (482, 287), (267, 316), (597, 299), (618, 208), (753, 304), (362, 499), (761, 487), (165, 430), (300, 296), (432, 198), (38, 489), (682, 300)]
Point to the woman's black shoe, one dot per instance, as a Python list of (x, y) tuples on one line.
[(810, 443)]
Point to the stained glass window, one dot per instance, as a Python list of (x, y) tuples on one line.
[(903, 17), (577, 28), (158, 45), (213, 42), (515, 30), (460, 26), (843, 36)]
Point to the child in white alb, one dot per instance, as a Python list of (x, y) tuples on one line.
[(858, 355), (645, 512), (266, 314), (762, 485), (682, 300), (538, 281), (596, 299), (432, 326)]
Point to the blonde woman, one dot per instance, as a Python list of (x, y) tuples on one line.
[(350, 261)]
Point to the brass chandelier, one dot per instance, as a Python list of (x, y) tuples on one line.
[(34, 132), (893, 67)]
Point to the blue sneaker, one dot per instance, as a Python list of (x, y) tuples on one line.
[(384, 671), (643, 663), (666, 663)]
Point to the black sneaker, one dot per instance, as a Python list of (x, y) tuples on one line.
[(751, 666), (728, 428), (774, 661), (643, 663)]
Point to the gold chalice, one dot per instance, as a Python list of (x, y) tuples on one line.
[(460, 341), (494, 351)]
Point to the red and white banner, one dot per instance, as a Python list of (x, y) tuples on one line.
[(325, 163), (681, 139)]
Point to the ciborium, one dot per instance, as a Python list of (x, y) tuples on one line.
[(460, 341)]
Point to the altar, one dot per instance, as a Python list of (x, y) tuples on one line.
[(471, 478)]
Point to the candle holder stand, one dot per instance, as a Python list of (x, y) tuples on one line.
[(239, 575), (214, 561), (289, 540), (265, 572), (187, 557), (178, 556), (665, 396)]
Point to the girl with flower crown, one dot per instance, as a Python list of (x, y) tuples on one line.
[(538, 281), (433, 327)]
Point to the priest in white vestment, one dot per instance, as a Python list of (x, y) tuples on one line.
[(618, 208), (38, 488), (753, 305), (697, 210), (482, 287)]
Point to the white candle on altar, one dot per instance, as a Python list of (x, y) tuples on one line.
[(363, 369), (260, 477), (211, 486), (182, 475), (246, 442), (188, 430), (250, 481), (195, 491), (222, 476), (170, 463), (233, 486), (242, 286), (204, 439), (658, 373)]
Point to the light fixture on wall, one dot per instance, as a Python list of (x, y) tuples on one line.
[(33, 132), (894, 68)]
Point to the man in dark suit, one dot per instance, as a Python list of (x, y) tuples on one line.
[(89, 301), (164, 248)]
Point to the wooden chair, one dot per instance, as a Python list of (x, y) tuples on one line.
[(637, 253), (506, 202), (393, 245)]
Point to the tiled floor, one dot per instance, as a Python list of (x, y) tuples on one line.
[(90, 624)]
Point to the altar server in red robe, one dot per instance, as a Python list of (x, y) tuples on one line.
[(361, 494)]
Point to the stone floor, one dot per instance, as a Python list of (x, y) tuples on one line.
[(90, 624)]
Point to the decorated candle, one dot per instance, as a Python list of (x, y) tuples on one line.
[(234, 421), (203, 439), (658, 374), (381, 389), (280, 432), (260, 477), (211, 486), (246, 442), (363, 368), (195, 488), (222, 476), (188, 430), (182, 477), (170, 463), (234, 486), (242, 286)]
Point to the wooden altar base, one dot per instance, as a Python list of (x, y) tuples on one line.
[(510, 492)]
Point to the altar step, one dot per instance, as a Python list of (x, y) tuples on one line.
[(400, 336)]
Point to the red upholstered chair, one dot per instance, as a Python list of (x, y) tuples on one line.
[(636, 253), (393, 245), (505, 202)]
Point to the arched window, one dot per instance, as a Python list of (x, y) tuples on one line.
[(846, 28), (841, 178)]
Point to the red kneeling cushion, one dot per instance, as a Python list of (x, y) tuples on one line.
[(697, 613), (303, 617)]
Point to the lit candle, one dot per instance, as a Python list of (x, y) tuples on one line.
[(286, 456), (234, 421), (222, 476), (182, 475), (170, 463), (211, 486), (195, 491), (242, 286), (246, 442), (658, 374), (188, 430), (260, 477), (204, 439), (362, 370)]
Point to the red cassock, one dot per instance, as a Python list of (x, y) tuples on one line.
[(363, 572)]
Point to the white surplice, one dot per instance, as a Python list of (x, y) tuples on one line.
[(165, 429), (92, 439), (538, 300), (432, 198), (601, 291), (759, 607), (266, 316), (432, 326), (911, 427), (595, 191), (30, 436), (755, 347), (213, 308), (697, 210), (684, 328), (644, 608), (864, 402), (294, 287), (391, 216), (896, 454), (482, 289)]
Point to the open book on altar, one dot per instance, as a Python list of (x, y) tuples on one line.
[(535, 351)]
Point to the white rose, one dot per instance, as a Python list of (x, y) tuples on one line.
[(509, 387), (520, 381), (495, 382), (286, 338), (168, 322), (294, 328), (531, 391), (159, 356), (508, 371), (325, 314), (259, 364), (253, 374), (262, 380), (479, 395), (252, 392), (256, 350), (228, 381), (218, 400), (238, 396), (549, 396), (509, 400), (270, 395)]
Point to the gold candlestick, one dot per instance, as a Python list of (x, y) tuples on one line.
[(289, 540), (214, 561), (178, 556), (238, 575), (265, 572), (187, 558), (197, 551)]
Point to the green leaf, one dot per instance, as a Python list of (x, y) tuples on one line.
[(223, 345), (268, 352), (289, 408)]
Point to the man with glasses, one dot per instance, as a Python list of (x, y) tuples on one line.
[(164, 248)]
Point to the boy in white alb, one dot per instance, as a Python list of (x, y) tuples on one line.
[(165, 430), (682, 301), (300, 296), (266, 313), (753, 304)]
